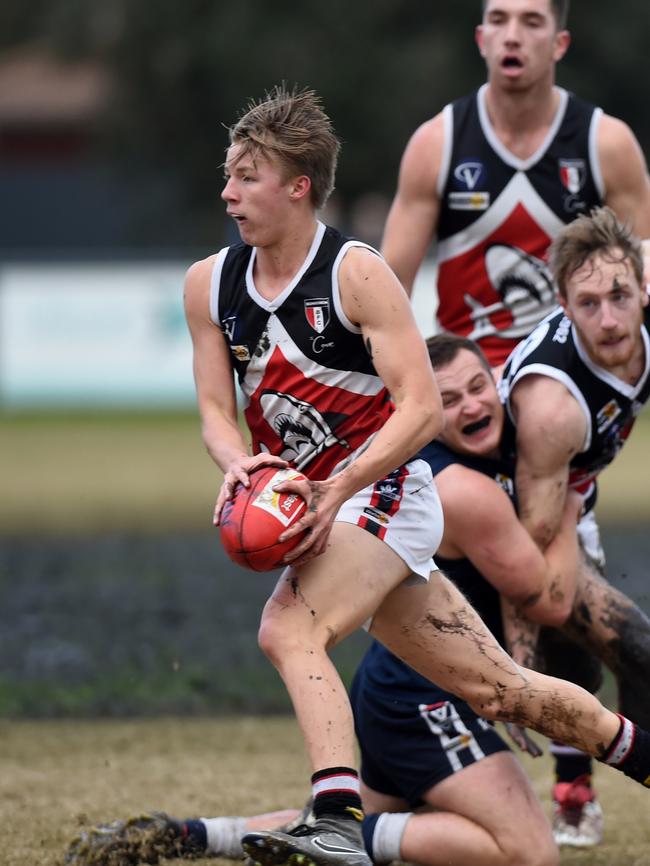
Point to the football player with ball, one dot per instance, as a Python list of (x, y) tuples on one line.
[(319, 333)]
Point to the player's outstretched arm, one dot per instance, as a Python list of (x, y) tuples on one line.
[(413, 216)]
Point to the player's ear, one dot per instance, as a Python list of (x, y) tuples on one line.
[(299, 187), (478, 37), (562, 42)]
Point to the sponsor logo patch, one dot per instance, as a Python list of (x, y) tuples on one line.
[(241, 353), (607, 415), (468, 200)]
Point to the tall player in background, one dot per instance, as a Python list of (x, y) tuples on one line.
[(496, 174), (492, 179)]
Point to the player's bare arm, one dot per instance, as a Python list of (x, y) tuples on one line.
[(215, 389), (413, 215), (481, 524), (551, 430), (625, 174), (374, 300)]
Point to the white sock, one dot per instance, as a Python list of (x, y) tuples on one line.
[(224, 836), (387, 836)]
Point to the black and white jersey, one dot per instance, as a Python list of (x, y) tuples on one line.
[(499, 214), (312, 395), (610, 406)]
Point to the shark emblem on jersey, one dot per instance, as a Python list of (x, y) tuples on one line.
[(302, 429), (524, 284)]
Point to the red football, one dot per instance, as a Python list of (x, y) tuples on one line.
[(256, 516)]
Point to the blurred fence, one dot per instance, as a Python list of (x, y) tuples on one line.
[(106, 335)]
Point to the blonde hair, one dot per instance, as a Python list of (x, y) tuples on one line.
[(291, 127)]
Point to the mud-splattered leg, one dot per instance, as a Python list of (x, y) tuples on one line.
[(435, 630)]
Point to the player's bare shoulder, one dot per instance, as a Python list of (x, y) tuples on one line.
[(367, 284), (423, 154), (196, 288)]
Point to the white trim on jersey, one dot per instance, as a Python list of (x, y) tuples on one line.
[(215, 283), (559, 376), (501, 150), (627, 390), (272, 306), (366, 384), (518, 190), (336, 289), (594, 159), (447, 148)]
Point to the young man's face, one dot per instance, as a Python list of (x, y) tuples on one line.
[(257, 195), (520, 42), (473, 414), (605, 302)]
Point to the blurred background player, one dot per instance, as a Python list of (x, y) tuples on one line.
[(495, 175)]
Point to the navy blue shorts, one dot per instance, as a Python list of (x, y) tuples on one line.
[(408, 746)]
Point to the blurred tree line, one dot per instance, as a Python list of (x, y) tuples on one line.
[(183, 70)]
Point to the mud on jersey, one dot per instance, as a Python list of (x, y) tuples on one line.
[(610, 405), (498, 215), (312, 395)]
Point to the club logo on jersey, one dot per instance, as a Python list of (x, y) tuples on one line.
[(317, 313), (607, 415), (572, 174), (302, 429)]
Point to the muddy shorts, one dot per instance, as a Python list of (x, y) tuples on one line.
[(403, 510), (408, 747)]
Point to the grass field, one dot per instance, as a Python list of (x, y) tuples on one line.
[(58, 776), (149, 472)]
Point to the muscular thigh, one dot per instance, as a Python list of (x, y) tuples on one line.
[(481, 792), (433, 628), (338, 591)]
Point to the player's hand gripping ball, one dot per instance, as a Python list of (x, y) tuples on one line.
[(253, 520)]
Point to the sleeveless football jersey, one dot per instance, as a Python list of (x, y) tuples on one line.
[(610, 405), (498, 215), (311, 393), (380, 668)]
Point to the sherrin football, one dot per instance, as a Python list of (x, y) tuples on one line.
[(256, 516)]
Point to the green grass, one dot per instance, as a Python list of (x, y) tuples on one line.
[(58, 776), (141, 472)]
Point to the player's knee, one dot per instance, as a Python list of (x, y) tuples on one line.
[(280, 639), (532, 847), (272, 639)]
